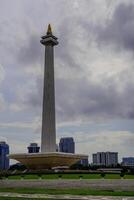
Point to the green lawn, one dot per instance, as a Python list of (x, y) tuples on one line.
[(129, 177), (112, 176), (56, 176), (18, 198), (16, 177), (69, 176), (84, 191)]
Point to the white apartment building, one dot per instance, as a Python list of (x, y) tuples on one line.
[(105, 158)]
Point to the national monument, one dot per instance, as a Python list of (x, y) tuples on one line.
[(48, 158), (48, 141)]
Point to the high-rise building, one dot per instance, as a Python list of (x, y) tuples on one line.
[(128, 161), (105, 158), (111, 158), (4, 160), (67, 145), (33, 148), (94, 158)]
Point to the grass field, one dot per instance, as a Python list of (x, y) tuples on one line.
[(70, 176), (85, 191), (18, 198)]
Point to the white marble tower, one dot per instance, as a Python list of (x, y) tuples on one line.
[(48, 139)]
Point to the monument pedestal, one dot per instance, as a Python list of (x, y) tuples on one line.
[(47, 160)]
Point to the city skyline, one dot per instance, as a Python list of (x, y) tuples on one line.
[(94, 73)]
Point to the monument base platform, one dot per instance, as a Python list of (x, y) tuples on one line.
[(47, 160)]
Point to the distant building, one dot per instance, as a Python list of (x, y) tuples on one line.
[(67, 145), (94, 158), (111, 158), (105, 158), (4, 160), (84, 162), (128, 161), (33, 148)]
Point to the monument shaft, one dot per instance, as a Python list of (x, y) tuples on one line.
[(48, 140)]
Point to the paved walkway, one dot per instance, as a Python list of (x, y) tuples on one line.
[(124, 184), (45, 196)]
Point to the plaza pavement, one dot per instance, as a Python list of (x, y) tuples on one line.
[(101, 184), (75, 197)]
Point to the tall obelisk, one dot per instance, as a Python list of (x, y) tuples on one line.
[(48, 139), (48, 158)]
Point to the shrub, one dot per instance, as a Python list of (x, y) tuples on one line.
[(40, 175), (103, 175), (122, 174)]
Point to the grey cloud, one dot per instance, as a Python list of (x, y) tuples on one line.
[(84, 100), (78, 97), (81, 99), (118, 30), (31, 97), (30, 51)]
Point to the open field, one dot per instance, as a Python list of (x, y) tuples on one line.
[(83, 191), (68, 176), (93, 189), (80, 185)]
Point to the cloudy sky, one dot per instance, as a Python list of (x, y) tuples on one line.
[(94, 70)]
